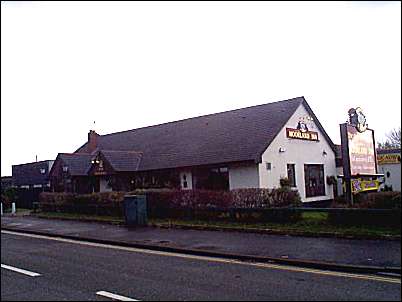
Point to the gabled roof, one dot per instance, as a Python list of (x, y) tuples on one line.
[(31, 173), (231, 136), (78, 163), (123, 160)]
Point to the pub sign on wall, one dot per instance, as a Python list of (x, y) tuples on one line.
[(301, 132)]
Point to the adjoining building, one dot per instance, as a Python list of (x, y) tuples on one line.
[(32, 175), (6, 182), (252, 147), (30, 180), (389, 164)]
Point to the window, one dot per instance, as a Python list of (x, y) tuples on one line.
[(268, 165), (314, 180), (211, 178), (291, 175), (184, 181)]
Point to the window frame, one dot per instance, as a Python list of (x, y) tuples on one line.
[(292, 181), (320, 190)]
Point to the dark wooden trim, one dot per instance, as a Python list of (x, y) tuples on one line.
[(346, 161)]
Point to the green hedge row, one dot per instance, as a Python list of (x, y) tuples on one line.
[(377, 200), (366, 217), (194, 199), (245, 205), (184, 204)]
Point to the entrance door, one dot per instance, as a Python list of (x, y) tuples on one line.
[(314, 180), (94, 184)]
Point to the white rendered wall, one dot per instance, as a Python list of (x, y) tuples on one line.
[(243, 176), (394, 179), (298, 152)]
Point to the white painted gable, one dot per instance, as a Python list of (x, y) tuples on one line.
[(298, 152)]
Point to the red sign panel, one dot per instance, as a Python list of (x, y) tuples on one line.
[(361, 151)]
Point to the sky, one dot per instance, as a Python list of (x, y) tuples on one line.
[(127, 65)]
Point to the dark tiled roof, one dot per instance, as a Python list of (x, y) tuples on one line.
[(30, 173), (388, 151), (78, 164), (123, 160), (6, 182), (237, 135)]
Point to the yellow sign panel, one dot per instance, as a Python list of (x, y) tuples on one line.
[(359, 185), (389, 159)]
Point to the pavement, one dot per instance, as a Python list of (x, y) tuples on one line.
[(383, 255), (80, 271)]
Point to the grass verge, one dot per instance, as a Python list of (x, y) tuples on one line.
[(312, 224), (301, 228), (80, 217)]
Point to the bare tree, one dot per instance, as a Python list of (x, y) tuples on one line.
[(393, 140)]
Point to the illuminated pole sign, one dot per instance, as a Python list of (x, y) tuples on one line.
[(361, 151), (358, 153)]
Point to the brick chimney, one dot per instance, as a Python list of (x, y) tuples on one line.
[(92, 141)]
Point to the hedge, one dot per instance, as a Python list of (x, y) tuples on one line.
[(240, 205), (368, 217), (375, 200)]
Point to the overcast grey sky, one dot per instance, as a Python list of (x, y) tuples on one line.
[(128, 65)]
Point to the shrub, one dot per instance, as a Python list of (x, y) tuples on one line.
[(190, 204), (370, 217), (331, 180), (363, 211), (284, 182), (264, 198), (374, 200), (8, 196), (106, 203), (381, 200)]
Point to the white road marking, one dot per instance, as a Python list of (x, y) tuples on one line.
[(212, 259), (19, 270), (114, 296)]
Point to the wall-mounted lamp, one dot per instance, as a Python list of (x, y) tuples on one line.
[(281, 150), (42, 171), (324, 153), (65, 168)]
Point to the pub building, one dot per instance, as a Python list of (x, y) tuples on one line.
[(252, 147)]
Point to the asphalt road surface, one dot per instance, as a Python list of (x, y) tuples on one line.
[(71, 270)]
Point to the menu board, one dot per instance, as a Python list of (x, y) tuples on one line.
[(361, 151)]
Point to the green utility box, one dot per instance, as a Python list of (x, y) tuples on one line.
[(135, 210)]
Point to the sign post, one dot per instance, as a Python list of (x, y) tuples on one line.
[(346, 163), (358, 155)]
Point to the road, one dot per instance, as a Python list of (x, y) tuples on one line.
[(71, 270)]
